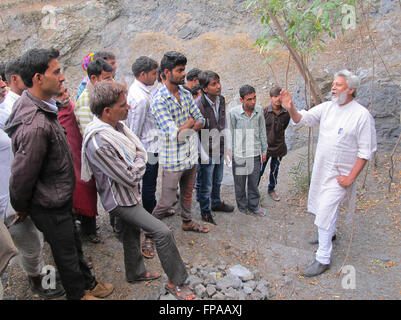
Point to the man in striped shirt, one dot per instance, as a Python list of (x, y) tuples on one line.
[(117, 159), (98, 70)]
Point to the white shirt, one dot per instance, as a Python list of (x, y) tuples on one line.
[(140, 120), (7, 107), (6, 158), (346, 133)]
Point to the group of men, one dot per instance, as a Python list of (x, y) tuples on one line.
[(116, 139)]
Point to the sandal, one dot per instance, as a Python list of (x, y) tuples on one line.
[(258, 211), (195, 227), (93, 238), (147, 248), (149, 276), (181, 292), (169, 213)]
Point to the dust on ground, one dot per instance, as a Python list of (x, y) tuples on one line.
[(276, 245)]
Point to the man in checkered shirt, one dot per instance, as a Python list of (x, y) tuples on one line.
[(178, 119)]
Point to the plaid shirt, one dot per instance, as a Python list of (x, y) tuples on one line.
[(82, 111), (170, 115)]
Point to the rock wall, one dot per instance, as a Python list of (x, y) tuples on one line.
[(217, 35)]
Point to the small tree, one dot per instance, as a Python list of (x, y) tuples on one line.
[(300, 25)]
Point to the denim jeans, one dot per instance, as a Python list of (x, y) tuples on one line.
[(210, 177), (274, 166)]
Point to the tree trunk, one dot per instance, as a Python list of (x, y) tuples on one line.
[(315, 90)]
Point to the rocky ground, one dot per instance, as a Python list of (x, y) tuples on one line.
[(268, 251)]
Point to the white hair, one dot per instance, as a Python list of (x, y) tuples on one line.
[(353, 80)]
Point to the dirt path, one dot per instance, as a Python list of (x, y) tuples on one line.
[(275, 245)]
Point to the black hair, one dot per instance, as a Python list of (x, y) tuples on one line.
[(97, 66), (145, 64), (171, 59), (245, 90), (205, 77), (12, 68), (275, 91), (105, 55), (195, 89), (160, 75), (35, 61), (3, 70), (193, 74), (105, 94)]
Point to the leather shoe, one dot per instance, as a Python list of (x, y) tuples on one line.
[(35, 283), (223, 207), (315, 269), (208, 218), (316, 240), (101, 290)]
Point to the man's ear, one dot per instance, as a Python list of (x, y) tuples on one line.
[(93, 79), (351, 91), (14, 78), (37, 78)]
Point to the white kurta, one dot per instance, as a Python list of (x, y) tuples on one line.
[(346, 133)]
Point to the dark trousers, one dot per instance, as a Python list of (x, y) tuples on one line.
[(135, 218), (209, 184), (60, 232), (88, 224), (274, 166), (149, 182), (246, 171)]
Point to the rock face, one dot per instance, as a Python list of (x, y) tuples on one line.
[(217, 35)]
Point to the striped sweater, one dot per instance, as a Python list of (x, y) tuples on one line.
[(82, 111), (117, 183)]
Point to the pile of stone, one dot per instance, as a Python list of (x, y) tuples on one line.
[(219, 283)]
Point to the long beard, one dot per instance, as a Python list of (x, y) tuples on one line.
[(341, 97)]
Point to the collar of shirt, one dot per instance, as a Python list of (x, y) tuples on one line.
[(9, 101), (254, 112), (166, 92), (217, 103), (52, 104), (12, 95), (270, 109), (144, 87)]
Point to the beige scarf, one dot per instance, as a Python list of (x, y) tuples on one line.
[(126, 144)]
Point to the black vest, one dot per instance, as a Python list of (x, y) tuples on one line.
[(216, 136)]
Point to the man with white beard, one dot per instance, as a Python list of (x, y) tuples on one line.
[(347, 140)]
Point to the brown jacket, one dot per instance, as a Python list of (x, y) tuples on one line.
[(275, 131), (42, 173)]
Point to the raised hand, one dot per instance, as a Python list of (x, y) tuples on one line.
[(286, 99)]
